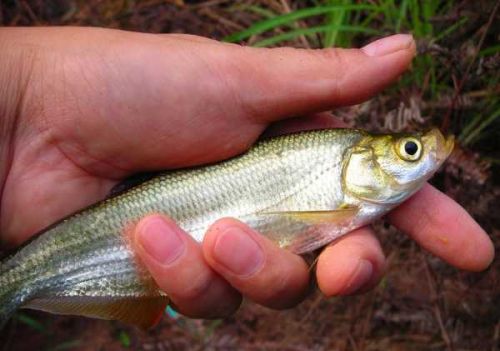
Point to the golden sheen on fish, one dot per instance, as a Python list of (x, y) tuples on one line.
[(302, 191)]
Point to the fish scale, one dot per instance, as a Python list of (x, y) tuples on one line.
[(294, 189)]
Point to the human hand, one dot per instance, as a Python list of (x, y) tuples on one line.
[(83, 108)]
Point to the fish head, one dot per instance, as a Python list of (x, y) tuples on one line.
[(390, 168)]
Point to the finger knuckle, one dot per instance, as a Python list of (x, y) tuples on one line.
[(197, 286), (281, 290)]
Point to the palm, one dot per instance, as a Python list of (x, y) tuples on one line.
[(125, 120)]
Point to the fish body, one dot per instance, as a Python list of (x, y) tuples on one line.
[(301, 191)]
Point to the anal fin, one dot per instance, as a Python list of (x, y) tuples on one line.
[(144, 312)]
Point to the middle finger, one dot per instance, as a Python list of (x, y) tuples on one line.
[(254, 265)]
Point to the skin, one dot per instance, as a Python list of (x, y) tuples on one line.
[(82, 109)]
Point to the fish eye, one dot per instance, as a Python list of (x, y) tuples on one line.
[(409, 149)]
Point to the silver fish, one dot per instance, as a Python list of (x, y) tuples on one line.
[(302, 191)]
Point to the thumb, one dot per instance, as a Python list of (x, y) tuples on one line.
[(281, 82), (230, 93)]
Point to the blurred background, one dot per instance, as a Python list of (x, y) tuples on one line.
[(454, 83)]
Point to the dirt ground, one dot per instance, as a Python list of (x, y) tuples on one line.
[(422, 303)]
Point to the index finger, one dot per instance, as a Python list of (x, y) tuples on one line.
[(445, 229)]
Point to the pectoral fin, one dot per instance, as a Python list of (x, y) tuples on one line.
[(309, 230), (338, 216), (144, 312)]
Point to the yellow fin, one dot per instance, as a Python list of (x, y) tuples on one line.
[(144, 312), (309, 230), (343, 213)]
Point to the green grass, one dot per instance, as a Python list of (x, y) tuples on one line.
[(349, 23), (31, 322), (485, 120), (482, 125), (313, 30), (124, 339), (335, 21), (345, 23), (291, 18), (41, 328)]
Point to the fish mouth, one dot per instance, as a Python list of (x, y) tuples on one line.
[(442, 146)]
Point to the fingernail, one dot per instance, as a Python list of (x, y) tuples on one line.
[(161, 240), (389, 45), (238, 252), (362, 275)]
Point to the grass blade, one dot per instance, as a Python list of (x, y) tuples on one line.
[(490, 50), (313, 30), (333, 19), (451, 29), (31, 322), (417, 26), (469, 135), (402, 15), (266, 25), (261, 11)]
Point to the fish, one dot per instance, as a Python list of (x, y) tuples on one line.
[(302, 191)]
